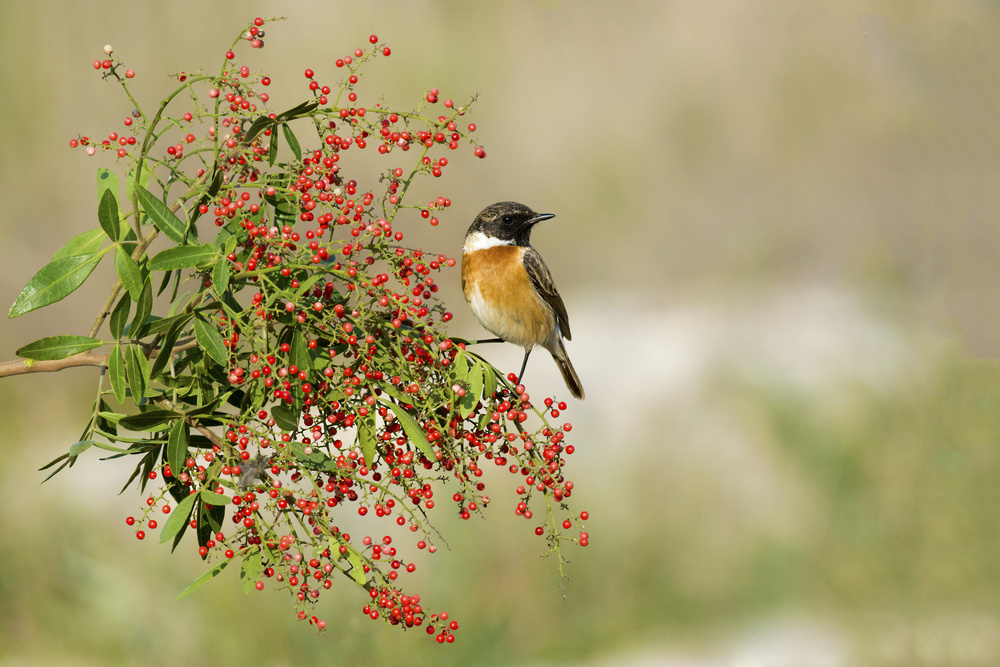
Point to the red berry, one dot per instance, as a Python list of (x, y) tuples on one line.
[(386, 51), (309, 74)]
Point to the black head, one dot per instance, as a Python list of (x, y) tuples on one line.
[(508, 221)]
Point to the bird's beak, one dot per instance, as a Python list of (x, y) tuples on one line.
[(539, 217)]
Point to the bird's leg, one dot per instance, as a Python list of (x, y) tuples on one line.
[(524, 365)]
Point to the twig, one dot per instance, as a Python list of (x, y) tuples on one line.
[(88, 358)]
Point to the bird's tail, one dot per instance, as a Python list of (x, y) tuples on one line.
[(567, 370)]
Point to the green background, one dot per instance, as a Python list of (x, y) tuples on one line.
[(776, 237)]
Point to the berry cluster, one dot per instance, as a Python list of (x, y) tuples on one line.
[(308, 376)]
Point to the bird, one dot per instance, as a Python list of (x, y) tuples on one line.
[(509, 288)]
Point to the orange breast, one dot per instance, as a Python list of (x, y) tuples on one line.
[(503, 299)]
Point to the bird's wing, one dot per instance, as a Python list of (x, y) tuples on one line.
[(542, 281)]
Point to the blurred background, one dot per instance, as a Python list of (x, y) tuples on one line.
[(778, 245)]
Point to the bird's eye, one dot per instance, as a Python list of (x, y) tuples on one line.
[(508, 219)]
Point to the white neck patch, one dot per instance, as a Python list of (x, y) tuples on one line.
[(479, 241)]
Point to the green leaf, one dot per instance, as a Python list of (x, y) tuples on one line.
[(112, 417), (65, 462), (184, 526), (137, 380), (251, 571), (412, 429), (293, 143), (209, 408), (393, 391), (107, 214), (299, 355), (166, 323), (106, 181), (468, 402), (307, 285), (209, 522), (54, 282), (57, 347), (119, 316), (460, 366), (128, 272), (285, 417), (80, 447), (357, 571), (150, 420), (220, 275), (163, 283), (182, 257), (210, 341), (162, 216), (178, 517), (85, 243), (110, 448), (116, 372), (489, 380), (316, 459), (221, 238), (272, 151), (177, 446), (366, 440), (259, 125), (167, 346), (130, 180), (297, 111), (214, 499), (206, 577), (144, 306)]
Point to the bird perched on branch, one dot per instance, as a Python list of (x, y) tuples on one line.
[(509, 288)]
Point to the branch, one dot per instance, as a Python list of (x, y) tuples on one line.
[(88, 358), (22, 366)]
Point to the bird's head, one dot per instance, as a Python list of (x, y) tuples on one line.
[(507, 221)]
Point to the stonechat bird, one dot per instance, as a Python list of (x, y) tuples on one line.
[(509, 288)]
